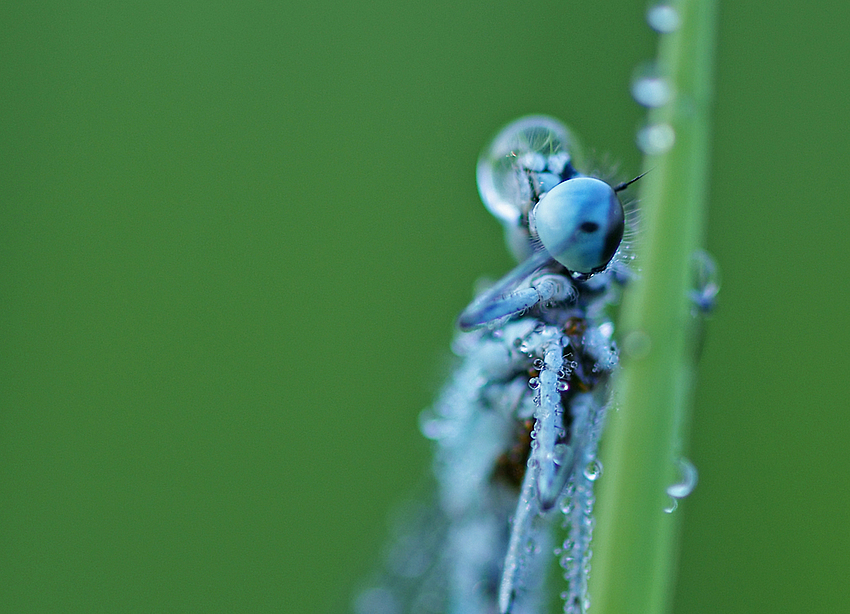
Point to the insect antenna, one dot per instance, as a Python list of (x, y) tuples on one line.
[(622, 186)]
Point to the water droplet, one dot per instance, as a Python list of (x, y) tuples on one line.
[(650, 87), (562, 455), (524, 144), (534, 383), (688, 481), (663, 18), (593, 470), (432, 429), (562, 386), (706, 282), (538, 364), (655, 139)]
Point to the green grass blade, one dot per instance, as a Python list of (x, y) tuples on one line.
[(634, 550)]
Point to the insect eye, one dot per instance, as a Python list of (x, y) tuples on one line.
[(580, 223)]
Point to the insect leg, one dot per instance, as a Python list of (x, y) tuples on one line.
[(549, 466), (553, 459), (499, 301)]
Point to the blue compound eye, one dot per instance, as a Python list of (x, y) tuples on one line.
[(580, 223)]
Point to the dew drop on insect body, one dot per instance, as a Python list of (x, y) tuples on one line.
[(566, 561), (606, 329), (663, 18), (563, 455), (593, 470), (535, 143)]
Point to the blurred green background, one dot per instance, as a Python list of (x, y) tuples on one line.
[(235, 237)]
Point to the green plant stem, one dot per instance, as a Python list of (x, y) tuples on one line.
[(634, 550)]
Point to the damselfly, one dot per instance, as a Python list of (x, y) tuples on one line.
[(517, 427)]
